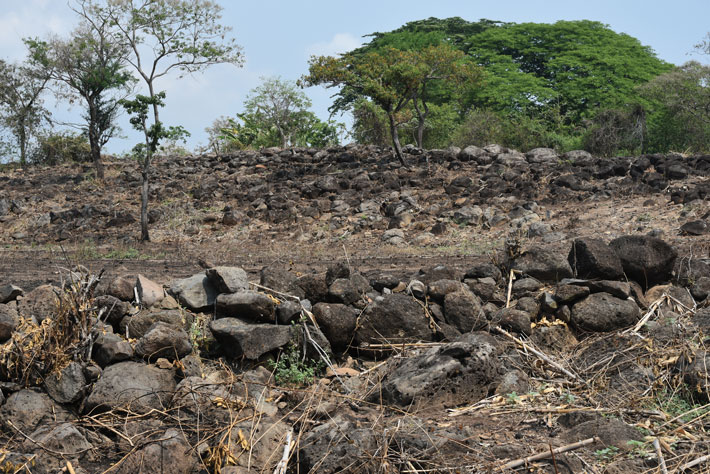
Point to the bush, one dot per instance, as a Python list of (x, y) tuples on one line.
[(63, 147)]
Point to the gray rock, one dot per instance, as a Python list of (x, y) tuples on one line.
[(228, 279), (601, 312), (484, 270), (10, 293), (438, 290), (121, 287), (67, 385), (112, 309), (645, 259), (149, 292), (288, 311), (349, 290), (526, 286), (63, 438), (417, 289), (484, 288), (700, 289), (241, 339), (610, 431), (472, 153), (698, 227), (195, 293), (515, 381), (169, 453), (278, 278), (163, 340), (337, 321), (543, 264), (247, 304), (131, 385), (620, 289), (340, 445), (593, 258), (514, 320), (39, 304), (468, 215), (394, 237), (542, 155), (8, 321), (394, 318), (462, 309), (137, 325), (110, 348), (459, 372), (566, 294), (27, 409)]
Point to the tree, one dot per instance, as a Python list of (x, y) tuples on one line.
[(90, 66), (682, 100), (278, 104), (580, 66), (21, 107), (163, 36)]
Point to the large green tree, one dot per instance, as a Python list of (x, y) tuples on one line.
[(90, 66), (394, 80), (163, 36), (21, 106), (580, 66)]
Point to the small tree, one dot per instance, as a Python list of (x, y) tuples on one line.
[(21, 107), (385, 76), (279, 104), (90, 66), (163, 36)]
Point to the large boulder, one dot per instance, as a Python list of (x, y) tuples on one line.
[(602, 312), (247, 304), (149, 292), (170, 452), (394, 318), (132, 385), (8, 321), (40, 303), (462, 309), (647, 260), (241, 339), (27, 409), (452, 374), (337, 322), (164, 340), (228, 279), (195, 293), (593, 258), (137, 325), (110, 348), (9, 293), (67, 385), (543, 264), (349, 290)]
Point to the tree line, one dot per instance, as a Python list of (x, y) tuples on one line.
[(432, 83)]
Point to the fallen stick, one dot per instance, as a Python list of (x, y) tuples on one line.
[(541, 355), (694, 462), (547, 453), (659, 453), (283, 463)]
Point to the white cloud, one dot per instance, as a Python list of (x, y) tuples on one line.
[(339, 44)]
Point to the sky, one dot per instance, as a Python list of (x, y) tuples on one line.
[(278, 37)]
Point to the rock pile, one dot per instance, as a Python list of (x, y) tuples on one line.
[(162, 365)]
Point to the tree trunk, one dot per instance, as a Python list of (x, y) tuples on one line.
[(144, 204), (395, 139), (94, 144)]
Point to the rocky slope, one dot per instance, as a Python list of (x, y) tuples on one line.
[(462, 315)]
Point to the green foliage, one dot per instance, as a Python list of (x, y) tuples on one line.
[(21, 106), (292, 368), (276, 114), (681, 101), (606, 454), (63, 147), (613, 131)]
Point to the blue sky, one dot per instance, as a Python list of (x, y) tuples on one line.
[(279, 36)]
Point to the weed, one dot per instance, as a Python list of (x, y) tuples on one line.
[(638, 449), (568, 398), (606, 454), (292, 368), (126, 254), (513, 398)]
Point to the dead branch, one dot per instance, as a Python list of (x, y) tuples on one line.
[(547, 453)]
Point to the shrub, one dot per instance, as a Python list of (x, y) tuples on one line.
[(63, 147)]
